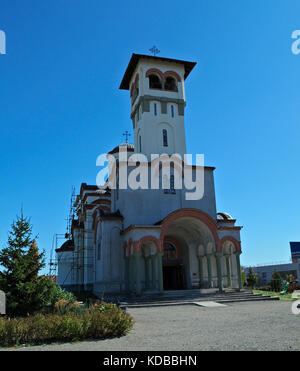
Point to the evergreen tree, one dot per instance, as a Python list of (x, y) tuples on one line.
[(251, 278), (26, 292)]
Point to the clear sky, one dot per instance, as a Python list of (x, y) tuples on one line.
[(60, 106)]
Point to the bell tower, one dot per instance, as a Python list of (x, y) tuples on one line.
[(157, 97)]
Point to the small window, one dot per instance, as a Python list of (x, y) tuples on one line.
[(155, 109), (165, 138), (172, 111), (140, 143), (172, 185), (154, 82), (171, 190), (170, 84)]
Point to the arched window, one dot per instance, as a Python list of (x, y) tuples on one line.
[(170, 251), (170, 84), (172, 111), (165, 138), (155, 109), (154, 82)]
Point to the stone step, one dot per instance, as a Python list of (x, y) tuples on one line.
[(187, 297), (190, 302), (200, 298)]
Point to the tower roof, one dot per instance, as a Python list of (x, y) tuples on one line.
[(188, 66)]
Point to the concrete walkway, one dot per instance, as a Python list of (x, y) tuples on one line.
[(238, 326)]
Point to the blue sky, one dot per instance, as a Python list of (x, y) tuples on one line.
[(60, 105)]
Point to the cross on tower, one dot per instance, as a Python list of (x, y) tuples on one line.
[(154, 50), (126, 135)]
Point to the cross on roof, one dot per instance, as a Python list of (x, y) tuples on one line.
[(126, 135), (154, 50)]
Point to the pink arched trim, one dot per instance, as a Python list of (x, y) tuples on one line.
[(191, 213), (162, 75), (173, 74), (155, 71), (149, 239), (237, 244)]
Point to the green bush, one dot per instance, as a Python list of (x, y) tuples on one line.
[(276, 282), (57, 293), (65, 306), (98, 322)]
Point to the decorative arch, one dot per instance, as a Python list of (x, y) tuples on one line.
[(236, 243), (155, 71), (162, 75), (149, 239), (173, 74), (195, 214)]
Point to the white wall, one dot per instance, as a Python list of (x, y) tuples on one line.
[(144, 207)]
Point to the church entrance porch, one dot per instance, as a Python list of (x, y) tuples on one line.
[(185, 254), (190, 238)]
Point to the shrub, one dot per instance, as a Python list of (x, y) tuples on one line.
[(65, 306), (57, 294), (276, 282), (98, 322)]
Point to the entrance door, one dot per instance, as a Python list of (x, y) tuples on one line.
[(173, 276)]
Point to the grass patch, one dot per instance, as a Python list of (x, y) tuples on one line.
[(285, 297)]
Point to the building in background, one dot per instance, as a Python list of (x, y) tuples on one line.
[(264, 272), (295, 251)]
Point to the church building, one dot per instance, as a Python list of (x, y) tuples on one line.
[(149, 240)]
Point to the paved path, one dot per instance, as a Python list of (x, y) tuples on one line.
[(238, 326)]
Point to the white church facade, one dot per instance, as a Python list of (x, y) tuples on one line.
[(151, 240)]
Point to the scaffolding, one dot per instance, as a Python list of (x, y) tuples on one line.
[(71, 214), (58, 237), (82, 258), (56, 243)]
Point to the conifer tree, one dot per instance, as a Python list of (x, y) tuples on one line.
[(251, 278), (20, 264)]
